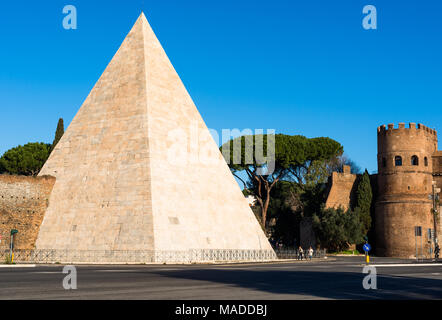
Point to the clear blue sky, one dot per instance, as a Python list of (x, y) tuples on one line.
[(300, 67)]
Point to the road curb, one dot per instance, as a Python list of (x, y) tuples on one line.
[(214, 263), (17, 265)]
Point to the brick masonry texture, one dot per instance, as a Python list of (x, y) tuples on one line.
[(341, 189), (23, 202), (402, 190), (403, 201)]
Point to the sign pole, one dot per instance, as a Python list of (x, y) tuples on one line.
[(415, 240), (418, 233), (435, 198), (430, 241), (11, 253), (367, 249), (10, 247)]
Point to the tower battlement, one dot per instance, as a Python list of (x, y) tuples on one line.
[(390, 128)]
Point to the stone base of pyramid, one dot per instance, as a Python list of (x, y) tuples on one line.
[(146, 256)]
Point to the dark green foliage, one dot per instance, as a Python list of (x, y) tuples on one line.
[(312, 199), (58, 133), (329, 226), (286, 228), (246, 192), (336, 228), (281, 210), (2, 168), (364, 198), (354, 228), (295, 158), (371, 233), (295, 190), (290, 151), (25, 160)]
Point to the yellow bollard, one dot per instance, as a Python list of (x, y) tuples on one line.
[(368, 258), (12, 258)]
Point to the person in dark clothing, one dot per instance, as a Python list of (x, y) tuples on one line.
[(300, 253)]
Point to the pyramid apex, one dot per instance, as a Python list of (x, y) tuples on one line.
[(141, 21), (142, 16)]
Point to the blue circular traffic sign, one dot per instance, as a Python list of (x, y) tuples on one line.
[(366, 247)]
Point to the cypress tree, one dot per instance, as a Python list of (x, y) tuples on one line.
[(364, 196), (58, 133)]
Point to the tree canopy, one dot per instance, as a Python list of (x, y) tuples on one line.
[(25, 160), (267, 159), (337, 228)]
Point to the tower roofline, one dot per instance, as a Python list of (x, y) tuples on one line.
[(401, 127)]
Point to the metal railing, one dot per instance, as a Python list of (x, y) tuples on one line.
[(136, 256), (151, 256), (292, 253)]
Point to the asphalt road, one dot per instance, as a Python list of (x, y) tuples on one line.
[(338, 279)]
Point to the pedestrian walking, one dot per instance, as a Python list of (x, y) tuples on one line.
[(300, 253), (310, 253)]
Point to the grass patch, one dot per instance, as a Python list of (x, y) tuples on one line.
[(347, 252)]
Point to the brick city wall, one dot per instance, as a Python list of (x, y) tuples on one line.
[(342, 187), (23, 202), (437, 176)]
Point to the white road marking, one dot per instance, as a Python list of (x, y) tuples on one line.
[(122, 270), (408, 265), (17, 265), (137, 270)]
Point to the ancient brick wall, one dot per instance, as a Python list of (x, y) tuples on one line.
[(342, 188), (23, 202), (437, 176), (437, 168), (342, 191)]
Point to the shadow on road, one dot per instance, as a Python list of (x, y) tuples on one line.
[(331, 285)]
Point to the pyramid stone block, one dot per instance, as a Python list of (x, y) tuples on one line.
[(119, 185)]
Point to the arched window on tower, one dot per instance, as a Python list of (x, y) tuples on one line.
[(426, 161), (414, 161), (398, 161), (384, 162)]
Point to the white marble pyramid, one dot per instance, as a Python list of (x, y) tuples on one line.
[(124, 184)]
